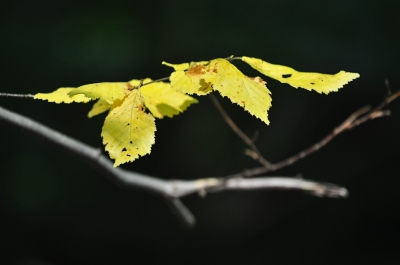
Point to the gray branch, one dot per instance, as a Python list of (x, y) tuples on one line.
[(171, 190)]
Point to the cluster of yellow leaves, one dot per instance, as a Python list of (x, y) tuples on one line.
[(128, 130), (220, 75)]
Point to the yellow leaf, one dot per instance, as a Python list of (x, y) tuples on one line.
[(99, 107), (190, 81), (61, 96), (106, 91), (162, 100), (249, 93), (322, 83), (128, 131)]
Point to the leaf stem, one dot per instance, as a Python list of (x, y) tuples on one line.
[(157, 80), (254, 150), (234, 58)]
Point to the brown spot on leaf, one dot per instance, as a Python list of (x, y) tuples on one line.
[(196, 70), (130, 87), (214, 69), (140, 107)]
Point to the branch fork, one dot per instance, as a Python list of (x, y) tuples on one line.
[(173, 190)]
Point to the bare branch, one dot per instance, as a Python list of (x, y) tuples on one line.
[(171, 190), (357, 118)]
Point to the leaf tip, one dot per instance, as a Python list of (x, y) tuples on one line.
[(177, 67)]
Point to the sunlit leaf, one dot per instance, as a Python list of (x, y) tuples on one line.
[(61, 96), (105, 91), (322, 83), (99, 107), (162, 100), (190, 81), (128, 131), (249, 93)]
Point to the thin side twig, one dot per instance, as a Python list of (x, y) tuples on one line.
[(357, 118), (9, 95), (254, 150)]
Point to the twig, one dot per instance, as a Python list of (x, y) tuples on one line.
[(171, 190), (183, 214), (254, 150), (357, 118), (16, 95)]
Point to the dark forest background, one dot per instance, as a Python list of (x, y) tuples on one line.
[(54, 209)]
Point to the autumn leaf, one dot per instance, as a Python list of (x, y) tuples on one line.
[(108, 92), (249, 93), (322, 83), (105, 91), (190, 81), (61, 96), (162, 100), (99, 107), (220, 75), (128, 131)]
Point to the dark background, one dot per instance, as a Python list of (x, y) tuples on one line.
[(56, 210)]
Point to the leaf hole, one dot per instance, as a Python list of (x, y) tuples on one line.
[(123, 150), (286, 76)]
